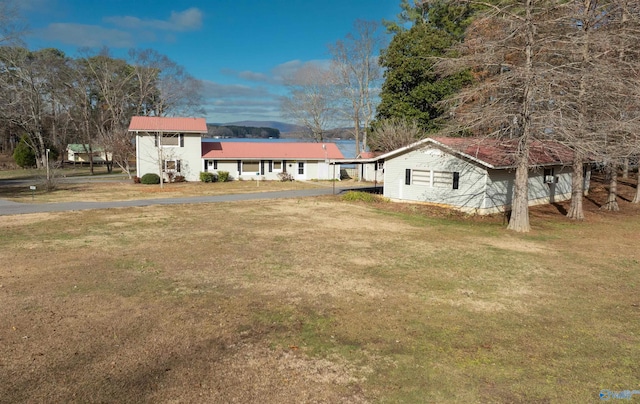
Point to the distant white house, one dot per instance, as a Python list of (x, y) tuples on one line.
[(82, 153), (175, 146), (168, 145), (475, 175)]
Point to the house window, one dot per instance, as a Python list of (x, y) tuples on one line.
[(171, 140), (421, 177), (250, 167), (432, 179), (549, 176), (442, 179), (171, 165), (211, 165), (275, 166), (380, 165), (301, 168)]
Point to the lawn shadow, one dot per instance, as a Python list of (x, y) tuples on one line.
[(561, 209), (593, 201)]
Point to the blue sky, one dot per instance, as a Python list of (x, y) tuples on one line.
[(240, 49)]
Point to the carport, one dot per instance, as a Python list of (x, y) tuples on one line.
[(378, 174)]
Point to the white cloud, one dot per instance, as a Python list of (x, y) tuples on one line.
[(253, 76), (219, 91), (128, 31), (83, 35), (278, 74), (187, 20)]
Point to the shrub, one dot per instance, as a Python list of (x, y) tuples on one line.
[(24, 155), (360, 196), (179, 178), (170, 176), (285, 177), (207, 177), (223, 176), (150, 178), (136, 180)]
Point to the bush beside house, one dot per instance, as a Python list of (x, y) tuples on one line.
[(150, 178)]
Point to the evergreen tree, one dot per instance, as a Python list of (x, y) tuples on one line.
[(412, 89), (23, 154)]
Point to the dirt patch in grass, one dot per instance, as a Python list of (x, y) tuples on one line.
[(317, 300)]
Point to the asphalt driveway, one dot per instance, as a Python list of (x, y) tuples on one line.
[(15, 208)]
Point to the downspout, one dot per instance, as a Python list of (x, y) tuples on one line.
[(160, 158), (137, 154)]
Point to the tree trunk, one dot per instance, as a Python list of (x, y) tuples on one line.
[(636, 199), (612, 201), (576, 211), (91, 159), (519, 220)]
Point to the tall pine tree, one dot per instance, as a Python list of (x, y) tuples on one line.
[(412, 89)]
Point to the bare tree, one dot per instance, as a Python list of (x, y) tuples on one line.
[(574, 73), (312, 99), (11, 24), (392, 134), (358, 74), (111, 97), (164, 87), (30, 81), (504, 47), (622, 30)]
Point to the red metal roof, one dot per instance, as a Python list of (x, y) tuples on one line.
[(501, 153), (368, 154), (274, 150), (168, 124)]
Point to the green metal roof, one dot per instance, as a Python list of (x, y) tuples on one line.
[(80, 148)]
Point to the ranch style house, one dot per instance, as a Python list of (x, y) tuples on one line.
[(474, 175)]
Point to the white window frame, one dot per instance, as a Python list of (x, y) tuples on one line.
[(421, 177), (176, 164), (160, 139), (433, 178), (442, 179)]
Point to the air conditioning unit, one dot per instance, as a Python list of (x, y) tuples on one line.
[(549, 179)]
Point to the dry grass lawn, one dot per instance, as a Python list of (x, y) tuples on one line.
[(318, 300)]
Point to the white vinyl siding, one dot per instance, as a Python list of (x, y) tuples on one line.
[(188, 152), (429, 176)]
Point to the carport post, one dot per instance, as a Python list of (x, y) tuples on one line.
[(334, 178)]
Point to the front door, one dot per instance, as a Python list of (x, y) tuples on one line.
[(301, 171)]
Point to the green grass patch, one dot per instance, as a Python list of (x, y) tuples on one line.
[(359, 196)]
